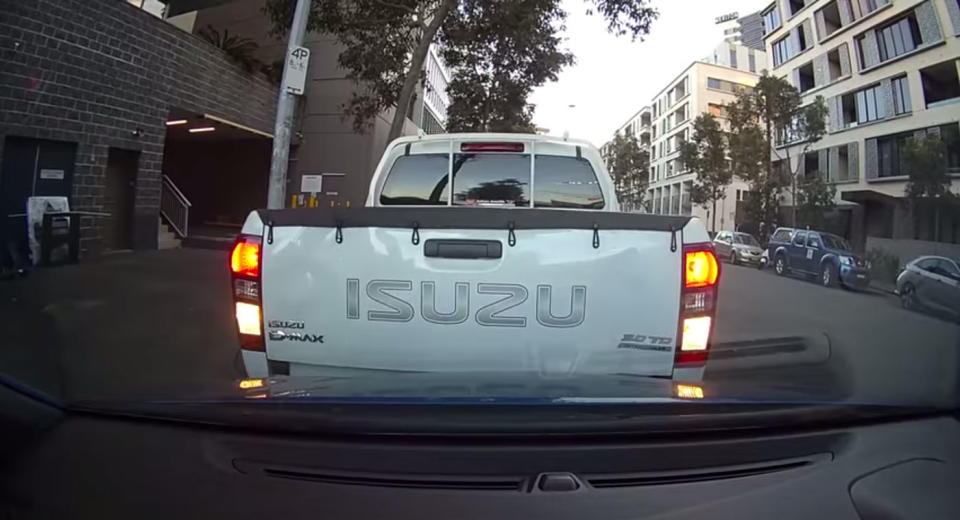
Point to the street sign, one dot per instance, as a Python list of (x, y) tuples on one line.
[(295, 77), (56, 175), (311, 183)]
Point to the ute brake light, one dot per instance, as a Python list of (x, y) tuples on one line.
[(245, 281), (698, 304), (245, 257), (491, 147)]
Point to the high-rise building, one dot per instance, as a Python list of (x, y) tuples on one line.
[(888, 70), (746, 30)]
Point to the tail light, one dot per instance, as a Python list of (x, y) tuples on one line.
[(245, 281), (698, 304)]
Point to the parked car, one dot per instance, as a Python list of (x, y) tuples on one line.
[(816, 253), (737, 247), (931, 282)]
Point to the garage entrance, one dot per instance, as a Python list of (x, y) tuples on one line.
[(220, 167)]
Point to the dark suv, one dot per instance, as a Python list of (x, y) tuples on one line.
[(824, 255)]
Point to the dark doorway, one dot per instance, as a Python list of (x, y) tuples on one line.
[(118, 198), (30, 167)]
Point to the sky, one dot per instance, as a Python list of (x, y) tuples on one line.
[(614, 77)]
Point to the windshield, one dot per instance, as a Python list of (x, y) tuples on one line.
[(835, 242), (476, 203)]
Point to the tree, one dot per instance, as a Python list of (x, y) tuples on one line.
[(815, 197), (929, 182), (499, 52), (706, 155), (629, 167), (761, 119), (491, 46)]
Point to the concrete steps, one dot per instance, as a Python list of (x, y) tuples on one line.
[(166, 238)]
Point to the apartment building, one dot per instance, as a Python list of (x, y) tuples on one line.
[(702, 87), (888, 70), (639, 125)]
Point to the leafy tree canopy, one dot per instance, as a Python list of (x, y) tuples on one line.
[(629, 167), (706, 155), (497, 50)]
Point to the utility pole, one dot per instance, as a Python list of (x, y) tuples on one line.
[(286, 105)]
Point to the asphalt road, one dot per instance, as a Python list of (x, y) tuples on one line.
[(158, 323)]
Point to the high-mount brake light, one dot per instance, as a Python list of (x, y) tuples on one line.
[(491, 147)]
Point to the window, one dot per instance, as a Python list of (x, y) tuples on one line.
[(841, 170), (940, 83), (771, 20), (835, 242), (752, 61), (813, 241), (890, 151), (805, 78), (782, 50), (716, 110), (927, 264), (946, 268), (726, 86), (830, 15), (898, 38), (794, 6), (901, 95), (800, 238), (417, 180), (733, 57), (834, 66), (811, 164), (491, 179), (565, 182), (848, 109), (867, 105), (781, 235), (950, 135)]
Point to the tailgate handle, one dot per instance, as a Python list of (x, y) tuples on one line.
[(462, 248)]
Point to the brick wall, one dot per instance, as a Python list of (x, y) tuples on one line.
[(96, 72)]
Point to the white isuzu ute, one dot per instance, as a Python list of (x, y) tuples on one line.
[(476, 253)]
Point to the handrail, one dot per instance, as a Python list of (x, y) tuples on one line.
[(183, 198), (174, 207)]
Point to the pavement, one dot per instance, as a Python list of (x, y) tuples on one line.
[(159, 323)]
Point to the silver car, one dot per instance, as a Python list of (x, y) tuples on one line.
[(931, 282), (737, 248)]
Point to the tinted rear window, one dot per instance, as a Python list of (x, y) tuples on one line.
[(565, 182), (491, 179), (417, 180)]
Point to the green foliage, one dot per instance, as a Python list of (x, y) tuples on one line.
[(629, 167), (927, 163), (815, 198), (497, 50), (240, 50), (706, 155), (772, 108), (929, 182), (885, 266)]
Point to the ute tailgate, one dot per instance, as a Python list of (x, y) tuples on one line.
[(454, 289)]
